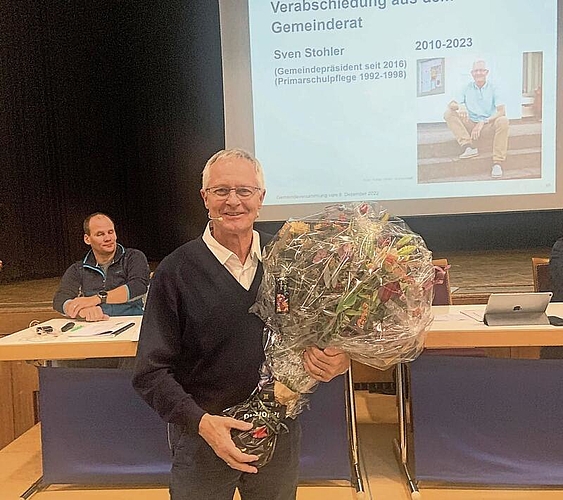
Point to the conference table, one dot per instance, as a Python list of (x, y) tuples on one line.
[(462, 419), (27, 345), (453, 328), (95, 430)]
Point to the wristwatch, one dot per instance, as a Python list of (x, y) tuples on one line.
[(103, 296)]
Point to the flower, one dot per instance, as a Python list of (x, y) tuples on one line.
[(351, 277)]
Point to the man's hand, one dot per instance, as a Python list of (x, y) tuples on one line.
[(476, 132), (74, 306), (93, 313), (216, 430), (325, 365), (463, 114)]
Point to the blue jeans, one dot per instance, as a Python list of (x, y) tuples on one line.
[(197, 473)]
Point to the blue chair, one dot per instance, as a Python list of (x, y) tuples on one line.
[(96, 430)]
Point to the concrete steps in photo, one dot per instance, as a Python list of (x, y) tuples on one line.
[(438, 154)]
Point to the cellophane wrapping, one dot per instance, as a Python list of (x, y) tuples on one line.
[(351, 277), (266, 415)]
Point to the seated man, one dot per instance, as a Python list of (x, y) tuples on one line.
[(109, 281), (556, 278), (479, 111), (556, 270)]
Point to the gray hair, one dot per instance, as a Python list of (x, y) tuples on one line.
[(479, 61), (232, 153)]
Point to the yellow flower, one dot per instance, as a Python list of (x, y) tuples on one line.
[(298, 227)]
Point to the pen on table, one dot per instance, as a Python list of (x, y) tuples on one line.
[(122, 329)]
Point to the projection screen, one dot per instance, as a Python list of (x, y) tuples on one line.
[(347, 100)]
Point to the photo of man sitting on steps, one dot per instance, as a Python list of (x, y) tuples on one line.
[(483, 122), (479, 111)]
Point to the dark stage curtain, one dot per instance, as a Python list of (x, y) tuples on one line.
[(114, 106), (109, 106)]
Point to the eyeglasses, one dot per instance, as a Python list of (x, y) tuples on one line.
[(242, 192)]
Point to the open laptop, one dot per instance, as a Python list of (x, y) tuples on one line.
[(517, 309)]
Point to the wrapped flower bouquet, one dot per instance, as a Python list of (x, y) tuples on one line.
[(351, 277)]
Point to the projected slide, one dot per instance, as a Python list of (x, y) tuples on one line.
[(403, 99)]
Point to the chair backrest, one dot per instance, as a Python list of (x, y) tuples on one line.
[(443, 297), (540, 273), (112, 451), (442, 291)]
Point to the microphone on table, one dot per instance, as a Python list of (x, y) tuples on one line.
[(218, 219)]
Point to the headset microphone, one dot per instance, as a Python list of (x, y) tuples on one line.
[(218, 219)]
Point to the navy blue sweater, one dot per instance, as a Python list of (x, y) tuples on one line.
[(200, 350)]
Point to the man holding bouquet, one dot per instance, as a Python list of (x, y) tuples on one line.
[(200, 349)]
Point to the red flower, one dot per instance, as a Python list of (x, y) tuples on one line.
[(319, 256), (260, 432), (387, 291)]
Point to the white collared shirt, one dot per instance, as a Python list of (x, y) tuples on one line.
[(243, 273)]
